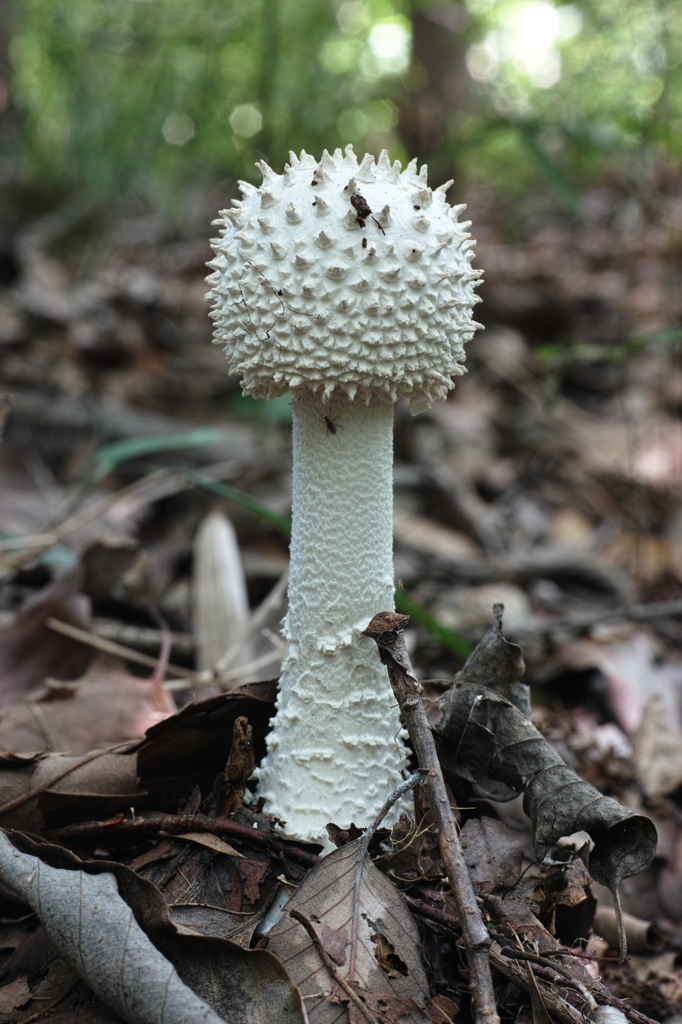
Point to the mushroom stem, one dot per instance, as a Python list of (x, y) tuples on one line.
[(334, 753)]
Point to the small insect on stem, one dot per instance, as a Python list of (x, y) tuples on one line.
[(331, 425)]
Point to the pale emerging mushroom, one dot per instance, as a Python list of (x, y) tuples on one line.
[(349, 286)]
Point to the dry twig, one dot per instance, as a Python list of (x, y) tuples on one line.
[(329, 964), (175, 824), (386, 629), (128, 654)]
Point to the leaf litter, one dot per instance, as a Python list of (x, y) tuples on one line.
[(549, 482), (364, 926)]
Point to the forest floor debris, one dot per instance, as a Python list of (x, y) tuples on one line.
[(549, 482)]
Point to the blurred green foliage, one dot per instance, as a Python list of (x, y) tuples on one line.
[(116, 96)]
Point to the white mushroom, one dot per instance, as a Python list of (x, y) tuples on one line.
[(348, 285)]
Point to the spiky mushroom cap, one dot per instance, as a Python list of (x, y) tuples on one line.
[(336, 275)]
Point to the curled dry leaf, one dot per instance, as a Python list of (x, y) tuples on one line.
[(194, 743), (365, 929), (96, 933), (182, 751), (487, 736), (498, 664), (114, 930)]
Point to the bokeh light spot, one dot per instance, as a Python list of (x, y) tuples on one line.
[(389, 43), (178, 129), (246, 120)]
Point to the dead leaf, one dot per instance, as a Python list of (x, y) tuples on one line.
[(253, 872), (105, 785), (349, 896), (442, 1010), (95, 932), (194, 744), (14, 995), (195, 875), (107, 705), (413, 851), (389, 961), (29, 651), (212, 842), (209, 979), (657, 747), (490, 853), (217, 922), (335, 941), (490, 738), (178, 753), (384, 1006), (629, 658), (498, 664), (55, 991)]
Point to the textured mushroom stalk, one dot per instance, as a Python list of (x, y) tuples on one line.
[(349, 285), (334, 752)]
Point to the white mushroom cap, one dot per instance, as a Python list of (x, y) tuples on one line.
[(309, 290)]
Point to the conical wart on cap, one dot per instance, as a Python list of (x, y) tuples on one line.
[(339, 275)]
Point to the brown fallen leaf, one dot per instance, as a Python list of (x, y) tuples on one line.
[(382, 1006), (253, 872), (51, 986), (657, 749), (57, 787), (181, 751), (194, 744), (14, 995), (442, 1010), (107, 705), (212, 842), (491, 855), (82, 915), (372, 938), (386, 956), (29, 651), (216, 922), (629, 657)]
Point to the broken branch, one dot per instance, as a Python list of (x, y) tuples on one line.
[(175, 824), (386, 629)]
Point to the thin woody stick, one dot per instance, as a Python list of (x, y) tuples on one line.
[(386, 629), (331, 968), (83, 636), (174, 824)]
